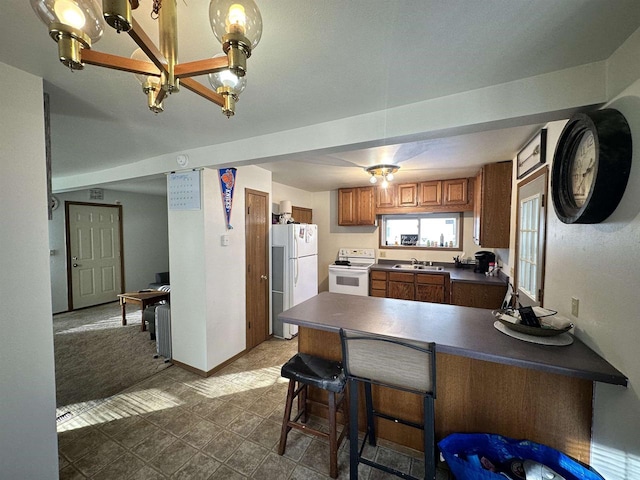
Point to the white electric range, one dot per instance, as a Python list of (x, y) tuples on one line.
[(350, 273)]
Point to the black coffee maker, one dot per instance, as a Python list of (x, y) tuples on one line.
[(483, 259)]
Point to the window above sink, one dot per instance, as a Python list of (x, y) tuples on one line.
[(436, 231)]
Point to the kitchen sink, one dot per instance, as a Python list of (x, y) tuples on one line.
[(427, 268)]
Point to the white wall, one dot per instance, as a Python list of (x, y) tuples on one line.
[(598, 264), (208, 280), (28, 442), (145, 236), (299, 198)]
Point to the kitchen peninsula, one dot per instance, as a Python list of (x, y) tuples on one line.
[(486, 381)]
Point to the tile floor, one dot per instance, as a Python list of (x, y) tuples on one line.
[(181, 426)]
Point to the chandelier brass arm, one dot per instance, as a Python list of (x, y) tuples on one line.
[(183, 71), (115, 62), (206, 93), (158, 65)]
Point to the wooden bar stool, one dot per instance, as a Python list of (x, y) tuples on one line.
[(305, 370), (390, 362)]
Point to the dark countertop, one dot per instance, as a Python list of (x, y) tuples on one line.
[(456, 274), (462, 331)]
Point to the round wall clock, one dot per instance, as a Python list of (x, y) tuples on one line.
[(591, 166)]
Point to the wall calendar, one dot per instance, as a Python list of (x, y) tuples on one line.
[(183, 189)]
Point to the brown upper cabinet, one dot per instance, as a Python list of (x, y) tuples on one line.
[(356, 206), (386, 197), (430, 194), (455, 195), (407, 195), (456, 192), (360, 205), (302, 214), (492, 205)]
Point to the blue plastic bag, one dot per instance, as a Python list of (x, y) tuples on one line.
[(458, 446)]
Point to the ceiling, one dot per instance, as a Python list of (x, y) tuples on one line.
[(318, 62)]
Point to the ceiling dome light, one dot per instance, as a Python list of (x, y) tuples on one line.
[(385, 171)]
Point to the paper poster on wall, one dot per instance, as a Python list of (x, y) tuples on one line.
[(183, 189), (227, 184)]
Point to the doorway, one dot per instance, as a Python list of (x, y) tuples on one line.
[(257, 266), (94, 253), (531, 238)]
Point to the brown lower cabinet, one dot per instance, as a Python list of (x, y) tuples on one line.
[(401, 286), (435, 288), (480, 295), (410, 286), (432, 288)]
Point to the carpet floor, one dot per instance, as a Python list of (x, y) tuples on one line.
[(96, 357)]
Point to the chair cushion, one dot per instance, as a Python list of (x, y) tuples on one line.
[(315, 371)]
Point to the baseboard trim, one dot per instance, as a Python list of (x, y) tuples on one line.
[(204, 373)]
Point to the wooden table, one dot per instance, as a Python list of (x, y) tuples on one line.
[(486, 381), (143, 299)]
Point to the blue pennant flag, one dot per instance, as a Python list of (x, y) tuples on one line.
[(227, 184)]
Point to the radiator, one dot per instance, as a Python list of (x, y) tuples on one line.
[(163, 330)]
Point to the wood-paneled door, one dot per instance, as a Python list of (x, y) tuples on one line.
[(94, 253), (257, 266)]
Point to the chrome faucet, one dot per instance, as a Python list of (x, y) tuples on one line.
[(414, 261)]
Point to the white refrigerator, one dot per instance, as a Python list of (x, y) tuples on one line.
[(294, 271)]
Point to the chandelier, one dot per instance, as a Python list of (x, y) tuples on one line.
[(385, 171), (77, 24)]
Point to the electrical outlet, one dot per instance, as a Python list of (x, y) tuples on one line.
[(575, 303), (383, 254)]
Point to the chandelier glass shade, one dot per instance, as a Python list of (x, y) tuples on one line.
[(385, 171), (77, 24), (229, 85)]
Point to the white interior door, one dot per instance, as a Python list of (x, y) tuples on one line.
[(94, 254)]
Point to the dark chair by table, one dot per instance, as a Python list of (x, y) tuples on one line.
[(304, 370), (404, 365), (162, 282)]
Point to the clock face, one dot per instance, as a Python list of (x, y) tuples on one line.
[(582, 169)]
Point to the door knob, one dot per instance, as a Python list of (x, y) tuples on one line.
[(76, 265), (263, 277)]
